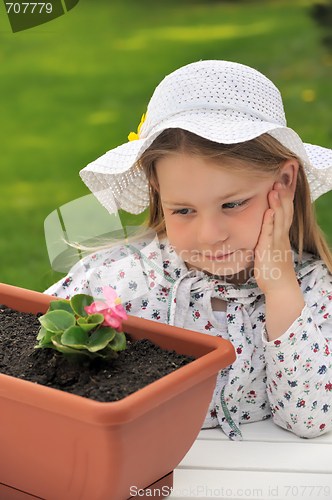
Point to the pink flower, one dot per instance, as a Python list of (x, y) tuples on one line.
[(112, 311)]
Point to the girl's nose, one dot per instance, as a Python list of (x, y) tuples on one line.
[(211, 231)]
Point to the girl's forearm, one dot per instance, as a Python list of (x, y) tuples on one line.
[(282, 308), (298, 377)]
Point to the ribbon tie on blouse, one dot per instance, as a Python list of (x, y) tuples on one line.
[(240, 305)]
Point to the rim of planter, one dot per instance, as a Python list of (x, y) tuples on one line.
[(214, 354)]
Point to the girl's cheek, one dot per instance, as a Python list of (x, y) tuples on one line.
[(175, 222), (178, 233), (249, 223), (173, 226), (253, 221)]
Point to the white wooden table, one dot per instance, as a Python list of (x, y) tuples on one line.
[(269, 464)]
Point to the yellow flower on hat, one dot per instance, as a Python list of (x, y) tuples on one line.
[(133, 136)]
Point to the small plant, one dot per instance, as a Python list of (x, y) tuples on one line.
[(82, 328)]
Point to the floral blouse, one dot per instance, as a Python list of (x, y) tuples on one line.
[(289, 379)]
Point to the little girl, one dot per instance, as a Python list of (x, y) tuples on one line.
[(237, 252)]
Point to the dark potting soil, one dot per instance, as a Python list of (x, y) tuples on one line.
[(141, 363)]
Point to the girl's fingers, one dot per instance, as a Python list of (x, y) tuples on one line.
[(286, 200), (273, 244), (279, 219), (282, 203), (265, 240)]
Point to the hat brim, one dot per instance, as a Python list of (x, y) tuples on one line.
[(316, 160), (118, 183)]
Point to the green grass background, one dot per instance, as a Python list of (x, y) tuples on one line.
[(74, 88)]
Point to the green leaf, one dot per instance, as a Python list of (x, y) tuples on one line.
[(62, 304), (57, 321), (100, 338), (79, 301), (47, 339), (44, 346), (118, 343), (41, 333), (95, 318), (90, 322), (75, 337), (85, 326), (108, 353), (56, 340)]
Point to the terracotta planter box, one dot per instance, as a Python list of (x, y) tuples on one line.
[(59, 446)]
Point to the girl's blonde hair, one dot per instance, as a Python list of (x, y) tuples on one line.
[(263, 155)]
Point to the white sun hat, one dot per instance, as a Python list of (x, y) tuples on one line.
[(222, 101)]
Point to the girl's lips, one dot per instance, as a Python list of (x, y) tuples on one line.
[(219, 257)]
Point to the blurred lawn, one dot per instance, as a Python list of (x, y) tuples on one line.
[(74, 88)]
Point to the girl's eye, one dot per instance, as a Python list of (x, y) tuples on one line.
[(182, 211), (234, 204)]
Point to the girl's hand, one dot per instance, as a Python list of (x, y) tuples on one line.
[(274, 268)]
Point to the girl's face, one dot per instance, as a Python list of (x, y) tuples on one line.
[(213, 216)]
